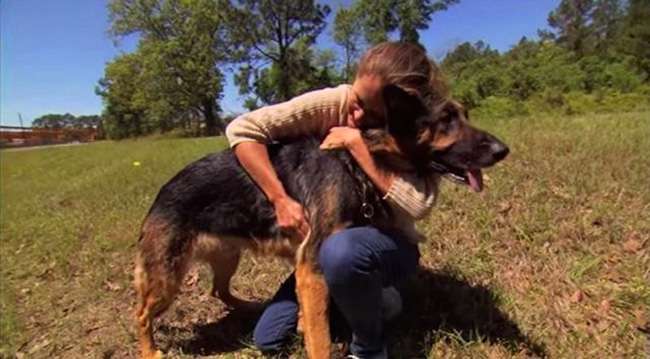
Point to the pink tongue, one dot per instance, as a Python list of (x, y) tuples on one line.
[(475, 178)]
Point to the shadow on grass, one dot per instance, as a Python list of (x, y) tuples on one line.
[(223, 336), (436, 303)]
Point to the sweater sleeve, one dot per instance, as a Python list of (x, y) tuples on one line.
[(413, 194), (311, 114)]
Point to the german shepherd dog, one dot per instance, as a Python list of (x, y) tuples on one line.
[(212, 210)]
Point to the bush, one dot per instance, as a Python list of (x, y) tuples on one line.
[(499, 107), (624, 102), (578, 103), (544, 77), (465, 92), (572, 103), (644, 90), (547, 101), (622, 78)]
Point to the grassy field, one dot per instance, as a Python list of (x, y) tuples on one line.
[(551, 260)]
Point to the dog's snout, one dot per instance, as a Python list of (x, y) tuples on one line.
[(499, 150)]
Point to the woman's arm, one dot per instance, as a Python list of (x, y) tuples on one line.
[(412, 194), (254, 157), (309, 114)]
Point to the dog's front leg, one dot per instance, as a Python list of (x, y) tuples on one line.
[(313, 298)]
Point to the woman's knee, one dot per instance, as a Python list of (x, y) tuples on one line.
[(343, 257)]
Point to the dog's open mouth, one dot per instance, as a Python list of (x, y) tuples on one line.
[(470, 177)]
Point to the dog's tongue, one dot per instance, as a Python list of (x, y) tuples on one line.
[(475, 178)]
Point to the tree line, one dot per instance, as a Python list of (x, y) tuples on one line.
[(67, 120), (595, 57), (175, 77)]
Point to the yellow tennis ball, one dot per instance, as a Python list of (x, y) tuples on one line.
[(136, 163)]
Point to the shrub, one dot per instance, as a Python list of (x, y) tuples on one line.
[(499, 107), (465, 92), (578, 103), (622, 78), (624, 102), (547, 101)]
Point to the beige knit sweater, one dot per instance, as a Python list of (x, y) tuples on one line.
[(313, 114)]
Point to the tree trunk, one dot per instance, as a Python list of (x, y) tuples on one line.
[(283, 85), (211, 125), (348, 61)]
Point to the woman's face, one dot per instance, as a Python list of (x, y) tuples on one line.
[(366, 104)]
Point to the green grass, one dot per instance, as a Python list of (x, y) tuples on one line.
[(552, 259)]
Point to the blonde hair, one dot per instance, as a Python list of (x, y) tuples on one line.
[(407, 66)]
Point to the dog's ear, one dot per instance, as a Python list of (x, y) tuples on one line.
[(402, 111)]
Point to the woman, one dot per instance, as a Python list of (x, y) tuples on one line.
[(358, 262)]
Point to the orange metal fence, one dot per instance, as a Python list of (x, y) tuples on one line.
[(12, 136)]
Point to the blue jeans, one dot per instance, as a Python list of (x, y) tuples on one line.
[(357, 263)]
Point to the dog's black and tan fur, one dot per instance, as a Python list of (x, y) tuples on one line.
[(212, 210)]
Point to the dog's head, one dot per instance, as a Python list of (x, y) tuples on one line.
[(436, 140)]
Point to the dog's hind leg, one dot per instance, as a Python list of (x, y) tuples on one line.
[(157, 282), (155, 295)]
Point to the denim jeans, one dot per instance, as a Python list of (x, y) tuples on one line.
[(357, 263)]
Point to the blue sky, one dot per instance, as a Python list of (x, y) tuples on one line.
[(53, 52)]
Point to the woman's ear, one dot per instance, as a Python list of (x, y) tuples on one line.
[(402, 111)]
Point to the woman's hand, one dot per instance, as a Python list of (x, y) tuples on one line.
[(341, 137), (351, 140), (291, 219)]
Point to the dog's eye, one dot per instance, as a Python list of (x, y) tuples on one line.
[(446, 123)]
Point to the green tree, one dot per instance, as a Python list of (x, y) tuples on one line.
[(311, 69), (464, 53), (475, 72), (377, 19), (53, 120), (561, 71), (62, 121), (531, 67), (586, 26), (635, 35), (347, 34), (270, 33), (88, 121), (181, 44), (380, 18), (606, 24), (572, 20), (414, 15), (122, 94)]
